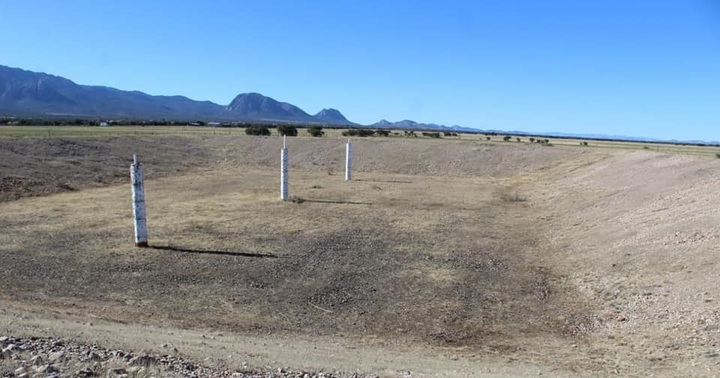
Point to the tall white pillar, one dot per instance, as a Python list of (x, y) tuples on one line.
[(348, 161), (138, 198), (284, 172)]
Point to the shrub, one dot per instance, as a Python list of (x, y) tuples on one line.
[(358, 132), (518, 139), (583, 143), (382, 132), (507, 138), (315, 131), (532, 140), (257, 130), (431, 135), (512, 197), (287, 130)]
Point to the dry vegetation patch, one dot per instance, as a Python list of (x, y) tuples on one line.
[(521, 251), (450, 269)]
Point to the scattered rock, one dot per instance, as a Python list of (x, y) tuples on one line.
[(46, 369), (117, 373), (47, 357), (142, 360), (92, 356), (36, 360), (56, 357), (84, 373)]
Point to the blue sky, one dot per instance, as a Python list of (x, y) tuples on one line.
[(637, 68)]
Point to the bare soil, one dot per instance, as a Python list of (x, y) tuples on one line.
[(441, 257)]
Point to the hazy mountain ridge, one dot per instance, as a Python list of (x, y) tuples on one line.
[(34, 94), (27, 93), (412, 125)]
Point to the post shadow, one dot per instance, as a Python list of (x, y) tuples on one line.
[(212, 252), (334, 201), (385, 181)]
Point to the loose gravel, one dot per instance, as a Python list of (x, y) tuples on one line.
[(49, 357)]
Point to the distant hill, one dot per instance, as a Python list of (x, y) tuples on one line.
[(412, 125), (26, 93), (254, 106), (34, 94), (332, 116)]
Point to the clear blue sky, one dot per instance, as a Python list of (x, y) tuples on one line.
[(629, 67)]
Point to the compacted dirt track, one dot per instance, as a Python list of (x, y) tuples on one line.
[(498, 259)]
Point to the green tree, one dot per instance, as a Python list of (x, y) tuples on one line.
[(287, 130), (316, 131), (257, 130)]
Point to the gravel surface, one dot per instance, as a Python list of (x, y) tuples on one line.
[(49, 357)]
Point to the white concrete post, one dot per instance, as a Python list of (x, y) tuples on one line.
[(284, 172), (138, 198), (348, 161)]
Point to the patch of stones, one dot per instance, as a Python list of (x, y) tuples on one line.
[(48, 357)]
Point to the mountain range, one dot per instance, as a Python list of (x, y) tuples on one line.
[(412, 125), (34, 94)]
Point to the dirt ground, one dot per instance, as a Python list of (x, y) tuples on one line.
[(441, 258)]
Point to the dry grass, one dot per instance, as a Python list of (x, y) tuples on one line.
[(227, 253), (508, 250)]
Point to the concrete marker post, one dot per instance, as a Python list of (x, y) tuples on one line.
[(348, 161), (284, 191), (138, 199)]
